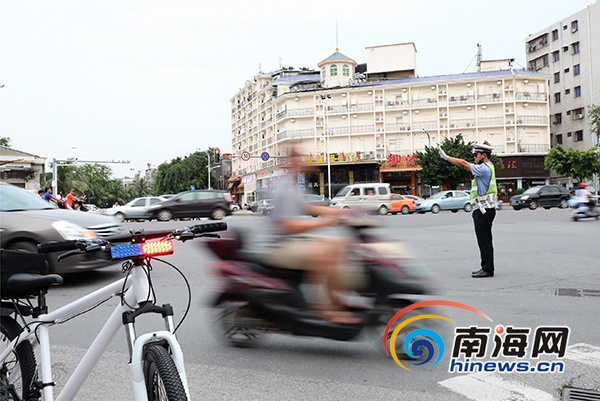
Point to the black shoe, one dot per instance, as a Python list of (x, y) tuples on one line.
[(481, 274)]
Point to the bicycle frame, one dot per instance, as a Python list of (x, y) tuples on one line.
[(136, 290)]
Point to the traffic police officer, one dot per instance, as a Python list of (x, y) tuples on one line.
[(483, 198)]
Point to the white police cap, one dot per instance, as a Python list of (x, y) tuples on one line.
[(477, 147)]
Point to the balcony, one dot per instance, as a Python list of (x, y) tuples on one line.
[(533, 148)]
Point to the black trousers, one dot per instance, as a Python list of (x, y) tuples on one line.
[(483, 232)]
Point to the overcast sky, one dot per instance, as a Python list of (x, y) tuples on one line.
[(148, 81)]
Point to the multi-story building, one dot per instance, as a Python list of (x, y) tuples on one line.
[(566, 51), (364, 123)]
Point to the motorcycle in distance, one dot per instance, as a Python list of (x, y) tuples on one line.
[(582, 211), (257, 298)]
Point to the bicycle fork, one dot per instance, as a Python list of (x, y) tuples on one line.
[(137, 345)]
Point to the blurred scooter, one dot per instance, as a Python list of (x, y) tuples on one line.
[(583, 211), (257, 298)]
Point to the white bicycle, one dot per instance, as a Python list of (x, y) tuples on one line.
[(155, 359)]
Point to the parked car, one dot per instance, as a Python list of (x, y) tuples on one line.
[(92, 208), (374, 197), (138, 209), (212, 203), (415, 198), (316, 199), (26, 221), (402, 204), (546, 196), (445, 200), (264, 206)]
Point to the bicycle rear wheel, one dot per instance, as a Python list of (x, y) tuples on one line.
[(161, 375), (18, 371)]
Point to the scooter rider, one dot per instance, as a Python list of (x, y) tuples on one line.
[(484, 194), (585, 197)]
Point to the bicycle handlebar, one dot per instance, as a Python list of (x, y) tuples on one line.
[(182, 234)]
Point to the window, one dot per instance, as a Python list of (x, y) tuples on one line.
[(558, 118), (574, 26), (323, 73), (556, 77), (333, 70), (565, 48), (565, 27), (346, 70), (575, 47), (576, 69), (566, 70), (557, 97), (567, 91), (555, 35), (578, 91), (578, 136), (555, 56), (559, 139), (569, 134)]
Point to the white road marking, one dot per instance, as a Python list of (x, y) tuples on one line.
[(584, 353), (489, 387)]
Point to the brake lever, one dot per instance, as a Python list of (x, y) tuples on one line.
[(69, 254), (211, 235)]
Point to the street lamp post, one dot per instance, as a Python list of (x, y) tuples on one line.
[(428, 137), (326, 133), (208, 167), (429, 141)]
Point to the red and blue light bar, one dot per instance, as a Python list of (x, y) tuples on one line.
[(147, 249)]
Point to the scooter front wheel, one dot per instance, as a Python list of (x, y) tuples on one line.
[(236, 323)]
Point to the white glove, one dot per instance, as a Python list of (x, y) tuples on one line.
[(443, 154)]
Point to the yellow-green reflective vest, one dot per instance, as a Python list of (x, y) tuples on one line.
[(492, 189)]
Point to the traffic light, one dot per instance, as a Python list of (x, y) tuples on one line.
[(217, 155)]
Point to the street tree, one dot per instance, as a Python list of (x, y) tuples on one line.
[(436, 171), (577, 164), (594, 114), (5, 141), (179, 174)]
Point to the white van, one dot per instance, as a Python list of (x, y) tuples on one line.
[(374, 197)]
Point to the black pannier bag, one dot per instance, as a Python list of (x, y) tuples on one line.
[(15, 261)]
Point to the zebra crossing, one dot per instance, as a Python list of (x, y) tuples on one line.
[(498, 387)]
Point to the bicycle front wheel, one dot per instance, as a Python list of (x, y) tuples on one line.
[(17, 371), (162, 377)]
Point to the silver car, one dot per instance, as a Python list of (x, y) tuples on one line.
[(137, 209), (26, 221)]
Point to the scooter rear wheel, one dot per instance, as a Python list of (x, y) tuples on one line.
[(236, 323)]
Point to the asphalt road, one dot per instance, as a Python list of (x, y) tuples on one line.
[(537, 253)]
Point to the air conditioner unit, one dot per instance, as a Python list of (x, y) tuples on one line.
[(579, 116), (378, 97), (380, 156), (468, 124), (442, 92), (526, 94), (431, 100), (442, 114), (379, 119), (508, 139), (509, 122), (451, 125), (379, 146), (508, 110), (495, 94), (452, 98), (442, 125), (379, 130), (519, 121)]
